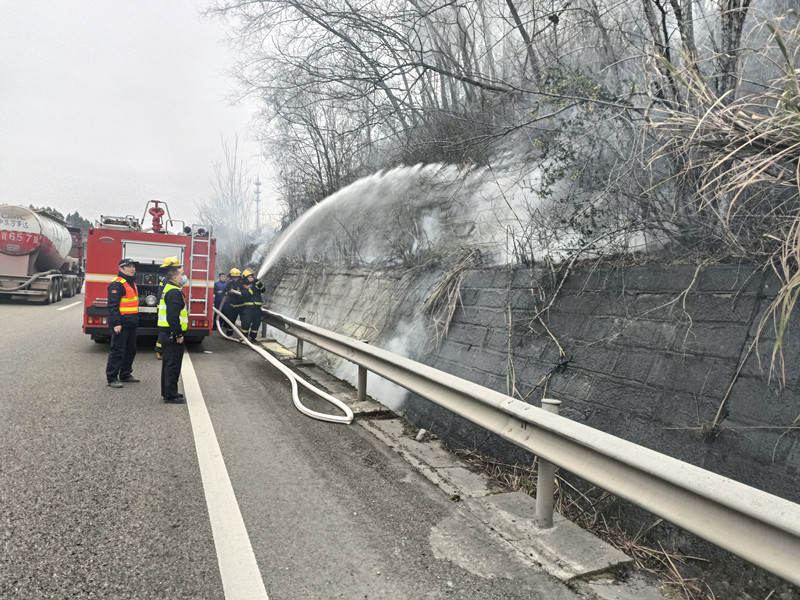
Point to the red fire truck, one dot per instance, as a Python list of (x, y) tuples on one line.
[(116, 238)]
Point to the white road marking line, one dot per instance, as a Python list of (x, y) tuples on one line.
[(70, 305), (241, 579)]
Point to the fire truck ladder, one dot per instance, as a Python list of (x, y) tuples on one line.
[(201, 249)]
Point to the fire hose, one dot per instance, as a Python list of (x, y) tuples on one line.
[(294, 379)]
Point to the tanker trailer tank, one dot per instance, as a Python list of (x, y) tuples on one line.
[(35, 247)]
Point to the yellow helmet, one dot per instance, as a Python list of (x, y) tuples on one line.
[(235, 272), (247, 272), (170, 261)]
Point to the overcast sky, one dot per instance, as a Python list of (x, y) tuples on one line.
[(105, 104)]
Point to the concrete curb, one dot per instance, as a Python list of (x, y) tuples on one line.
[(567, 552)]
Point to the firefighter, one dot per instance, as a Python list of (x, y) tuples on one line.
[(251, 311), (173, 320), (170, 261), (162, 280), (232, 300), (123, 319)]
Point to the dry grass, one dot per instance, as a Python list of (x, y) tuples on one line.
[(445, 297), (742, 156)]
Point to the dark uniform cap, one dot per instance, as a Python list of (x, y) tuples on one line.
[(127, 261)]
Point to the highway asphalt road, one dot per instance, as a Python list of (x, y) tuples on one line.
[(102, 495)]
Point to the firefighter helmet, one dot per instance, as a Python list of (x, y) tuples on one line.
[(247, 272), (235, 272), (170, 261)]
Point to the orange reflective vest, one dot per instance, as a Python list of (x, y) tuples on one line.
[(129, 303)]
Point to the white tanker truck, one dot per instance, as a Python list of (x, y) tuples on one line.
[(40, 256)]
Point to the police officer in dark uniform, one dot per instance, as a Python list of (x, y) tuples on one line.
[(123, 319), (173, 320)]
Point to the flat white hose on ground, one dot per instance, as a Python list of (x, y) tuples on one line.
[(294, 379)]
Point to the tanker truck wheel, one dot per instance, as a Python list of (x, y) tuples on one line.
[(59, 289), (50, 293)]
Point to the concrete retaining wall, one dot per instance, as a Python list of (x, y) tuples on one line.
[(646, 353)]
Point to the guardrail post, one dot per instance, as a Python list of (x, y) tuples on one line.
[(546, 479), (362, 382), (299, 351)]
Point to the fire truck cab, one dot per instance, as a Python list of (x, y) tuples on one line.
[(115, 238)]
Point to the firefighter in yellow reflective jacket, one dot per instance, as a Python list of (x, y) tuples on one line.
[(162, 281), (173, 321), (252, 301), (123, 319)]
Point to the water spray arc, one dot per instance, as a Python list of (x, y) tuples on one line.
[(403, 208), (294, 380), (287, 235), (408, 215)]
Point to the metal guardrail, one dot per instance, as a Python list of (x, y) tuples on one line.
[(759, 527)]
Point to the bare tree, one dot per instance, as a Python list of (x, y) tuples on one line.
[(230, 208), (343, 80)]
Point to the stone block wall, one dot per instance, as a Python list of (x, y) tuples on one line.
[(662, 356)]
